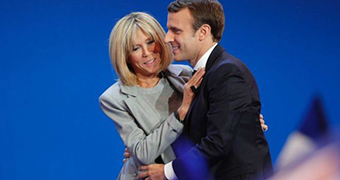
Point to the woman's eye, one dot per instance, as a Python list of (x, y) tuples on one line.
[(135, 48), (151, 42)]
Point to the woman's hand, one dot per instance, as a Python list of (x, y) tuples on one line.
[(188, 92), (263, 125)]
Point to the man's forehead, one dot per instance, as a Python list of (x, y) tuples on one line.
[(176, 19)]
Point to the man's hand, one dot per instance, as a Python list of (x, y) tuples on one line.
[(126, 155), (152, 172)]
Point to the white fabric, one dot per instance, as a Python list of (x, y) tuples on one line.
[(203, 60), (169, 172), (296, 147)]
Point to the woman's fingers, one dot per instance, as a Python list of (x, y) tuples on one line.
[(197, 78), (262, 121), (263, 125), (198, 83), (261, 116)]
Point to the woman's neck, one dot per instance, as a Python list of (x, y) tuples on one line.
[(148, 82)]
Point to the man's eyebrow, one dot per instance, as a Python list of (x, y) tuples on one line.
[(173, 28)]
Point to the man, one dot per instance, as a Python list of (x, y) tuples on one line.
[(223, 121)]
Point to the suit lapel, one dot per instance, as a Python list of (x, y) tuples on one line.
[(213, 57), (211, 61)]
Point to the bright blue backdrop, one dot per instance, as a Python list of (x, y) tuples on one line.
[(54, 64)]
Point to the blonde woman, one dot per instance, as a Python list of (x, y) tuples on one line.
[(149, 90)]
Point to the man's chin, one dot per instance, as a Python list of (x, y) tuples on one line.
[(178, 59)]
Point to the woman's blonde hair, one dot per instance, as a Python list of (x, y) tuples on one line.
[(122, 39)]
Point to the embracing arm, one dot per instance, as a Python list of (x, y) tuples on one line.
[(145, 148)]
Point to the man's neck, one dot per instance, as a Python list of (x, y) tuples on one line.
[(202, 60), (203, 50)]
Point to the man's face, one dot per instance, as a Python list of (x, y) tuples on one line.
[(184, 41)]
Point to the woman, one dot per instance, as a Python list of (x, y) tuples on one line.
[(142, 102), (151, 96)]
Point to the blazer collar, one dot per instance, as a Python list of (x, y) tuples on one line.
[(213, 57), (173, 71), (129, 90)]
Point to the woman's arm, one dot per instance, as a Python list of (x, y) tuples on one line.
[(143, 146)]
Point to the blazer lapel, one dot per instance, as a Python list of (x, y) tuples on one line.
[(177, 81), (138, 106)]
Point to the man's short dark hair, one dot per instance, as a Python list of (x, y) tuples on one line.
[(204, 12)]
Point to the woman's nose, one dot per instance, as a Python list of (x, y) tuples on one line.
[(147, 51)]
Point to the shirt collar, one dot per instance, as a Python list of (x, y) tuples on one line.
[(203, 60)]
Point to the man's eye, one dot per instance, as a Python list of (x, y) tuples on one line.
[(176, 31)]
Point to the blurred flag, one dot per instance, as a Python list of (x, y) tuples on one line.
[(304, 140), (322, 164)]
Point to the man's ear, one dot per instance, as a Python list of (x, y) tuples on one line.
[(204, 32)]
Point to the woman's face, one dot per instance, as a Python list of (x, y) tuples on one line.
[(145, 56)]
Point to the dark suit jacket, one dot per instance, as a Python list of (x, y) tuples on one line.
[(223, 126)]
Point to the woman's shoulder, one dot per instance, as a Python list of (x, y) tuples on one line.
[(180, 70), (113, 92)]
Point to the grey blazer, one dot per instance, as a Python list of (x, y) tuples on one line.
[(140, 126)]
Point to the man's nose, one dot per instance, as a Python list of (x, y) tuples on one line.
[(168, 37)]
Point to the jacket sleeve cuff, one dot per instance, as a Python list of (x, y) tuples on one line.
[(176, 124), (177, 117)]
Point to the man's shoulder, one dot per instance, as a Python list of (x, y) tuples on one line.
[(226, 62), (229, 62)]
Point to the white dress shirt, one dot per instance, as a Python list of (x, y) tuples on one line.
[(168, 169)]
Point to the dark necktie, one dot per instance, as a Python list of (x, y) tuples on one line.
[(193, 72)]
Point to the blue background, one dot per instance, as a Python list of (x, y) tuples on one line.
[(54, 65)]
